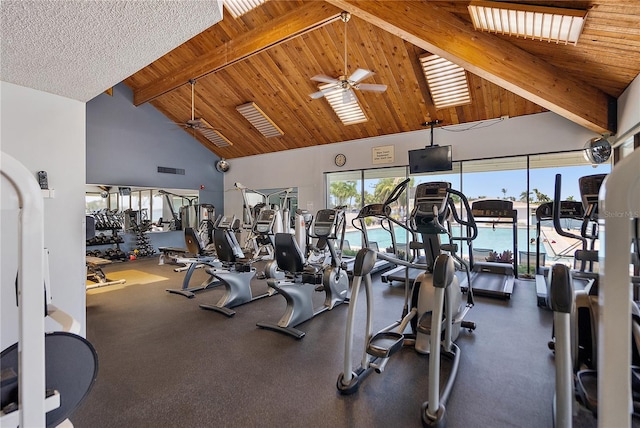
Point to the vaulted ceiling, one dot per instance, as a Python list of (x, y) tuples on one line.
[(269, 55)]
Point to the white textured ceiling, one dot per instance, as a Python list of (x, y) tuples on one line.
[(79, 48)]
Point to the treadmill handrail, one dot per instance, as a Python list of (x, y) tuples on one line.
[(556, 214)]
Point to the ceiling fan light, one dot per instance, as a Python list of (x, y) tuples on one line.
[(345, 104)]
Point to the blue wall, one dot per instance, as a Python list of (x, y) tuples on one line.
[(126, 144)]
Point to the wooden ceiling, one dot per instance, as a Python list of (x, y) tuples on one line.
[(269, 55)]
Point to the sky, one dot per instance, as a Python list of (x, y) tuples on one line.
[(490, 184)]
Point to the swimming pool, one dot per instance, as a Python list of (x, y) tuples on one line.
[(498, 239)]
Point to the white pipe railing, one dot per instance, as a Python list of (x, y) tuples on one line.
[(30, 244), (619, 204)]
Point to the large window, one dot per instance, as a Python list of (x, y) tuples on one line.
[(502, 179), (95, 202), (542, 172), (526, 181)]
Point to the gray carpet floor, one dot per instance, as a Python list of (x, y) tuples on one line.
[(164, 362)]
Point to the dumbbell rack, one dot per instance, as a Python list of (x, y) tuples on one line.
[(107, 221), (143, 246)]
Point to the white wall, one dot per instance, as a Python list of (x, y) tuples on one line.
[(629, 110), (47, 132), (305, 168)]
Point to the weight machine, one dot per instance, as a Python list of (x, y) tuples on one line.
[(38, 391)]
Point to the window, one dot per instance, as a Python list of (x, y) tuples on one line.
[(527, 181), (95, 202), (543, 170), (157, 204), (145, 204), (135, 201), (504, 179)]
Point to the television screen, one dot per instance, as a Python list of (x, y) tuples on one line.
[(430, 159)]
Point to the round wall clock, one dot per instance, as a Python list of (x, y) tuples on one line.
[(340, 159)]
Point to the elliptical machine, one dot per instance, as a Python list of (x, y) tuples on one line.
[(304, 279), (436, 301)]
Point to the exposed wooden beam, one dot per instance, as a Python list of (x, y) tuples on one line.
[(490, 57), (293, 24)]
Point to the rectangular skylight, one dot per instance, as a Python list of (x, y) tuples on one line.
[(260, 120), (240, 7), (213, 135), (551, 24), (447, 81), (345, 103)]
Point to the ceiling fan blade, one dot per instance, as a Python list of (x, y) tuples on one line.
[(372, 87), (324, 79), (324, 92), (317, 95), (360, 74)]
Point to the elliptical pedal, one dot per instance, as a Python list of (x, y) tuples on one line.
[(385, 344)]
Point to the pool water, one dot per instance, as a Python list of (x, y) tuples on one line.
[(498, 239)]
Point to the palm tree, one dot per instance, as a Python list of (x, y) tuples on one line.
[(343, 191), (383, 189), (504, 193), (524, 196), (541, 197)]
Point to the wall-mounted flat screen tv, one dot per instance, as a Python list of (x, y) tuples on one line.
[(430, 159)]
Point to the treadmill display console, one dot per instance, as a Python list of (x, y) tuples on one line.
[(375, 210), (590, 189), (497, 208), (568, 209)]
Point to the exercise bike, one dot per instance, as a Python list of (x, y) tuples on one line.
[(437, 309), (236, 271), (304, 279)]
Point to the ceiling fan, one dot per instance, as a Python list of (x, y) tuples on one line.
[(195, 123), (343, 83)]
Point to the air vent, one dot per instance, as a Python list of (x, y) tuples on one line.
[(167, 170)]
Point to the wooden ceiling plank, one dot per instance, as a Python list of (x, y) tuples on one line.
[(307, 17), (491, 58), (297, 95), (397, 58), (370, 59)]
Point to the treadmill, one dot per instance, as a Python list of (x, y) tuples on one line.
[(569, 210), (494, 279), (402, 273), (584, 278)]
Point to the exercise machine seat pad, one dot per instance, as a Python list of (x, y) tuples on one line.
[(192, 242), (289, 257)]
